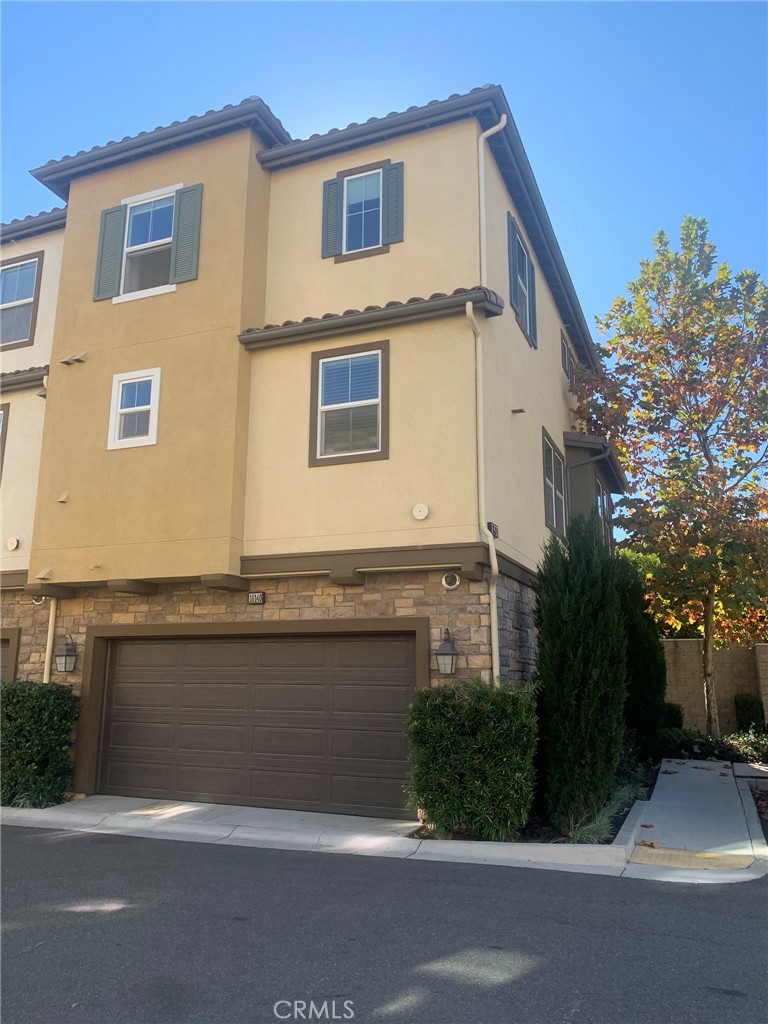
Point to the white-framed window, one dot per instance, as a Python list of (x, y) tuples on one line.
[(604, 512), (523, 287), (554, 488), (148, 240), (133, 413), (362, 211), (349, 405), (18, 301)]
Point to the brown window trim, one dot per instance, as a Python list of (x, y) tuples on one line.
[(35, 298), (336, 460), (5, 409), (360, 254), (546, 436)]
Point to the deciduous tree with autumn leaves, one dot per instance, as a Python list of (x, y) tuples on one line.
[(683, 397)]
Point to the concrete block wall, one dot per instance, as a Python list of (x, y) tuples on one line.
[(736, 671)]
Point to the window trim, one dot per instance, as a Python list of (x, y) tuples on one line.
[(139, 200), (27, 258), (315, 459), (604, 511), (113, 440), (556, 453), (5, 411), (354, 172), (565, 348)]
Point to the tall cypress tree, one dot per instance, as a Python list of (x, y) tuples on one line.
[(582, 672)]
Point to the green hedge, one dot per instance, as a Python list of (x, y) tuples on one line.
[(582, 672), (471, 754), (673, 716), (749, 712), (646, 666), (36, 723)]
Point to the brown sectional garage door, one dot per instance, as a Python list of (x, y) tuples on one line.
[(315, 723)]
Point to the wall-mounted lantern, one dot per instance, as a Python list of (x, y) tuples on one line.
[(446, 655), (66, 655)]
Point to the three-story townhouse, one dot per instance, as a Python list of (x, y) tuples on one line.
[(319, 427)]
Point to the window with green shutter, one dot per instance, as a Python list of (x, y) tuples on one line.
[(522, 282), (362, 211), (149, 244)]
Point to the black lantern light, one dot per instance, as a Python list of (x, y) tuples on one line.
[(446, 655), (66, 655)]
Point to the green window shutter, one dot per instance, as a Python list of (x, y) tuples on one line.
[(109, 259), (532, 301), (514, 296), (186, 234), (392, 204), (333, 217)]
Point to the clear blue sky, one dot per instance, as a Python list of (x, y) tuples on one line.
[(632, 114)]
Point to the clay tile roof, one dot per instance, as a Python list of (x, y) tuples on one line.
[(414, 308), (34, 224), (15, 380), (252, 111)]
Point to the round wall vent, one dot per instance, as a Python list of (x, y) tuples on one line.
[(451, 580)]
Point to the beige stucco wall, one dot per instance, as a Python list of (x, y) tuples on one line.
[(519, 376), (292, 507), (440, 247), (27, 410), (174, 508)]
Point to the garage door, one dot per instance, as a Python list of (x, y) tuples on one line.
[(310, 723)]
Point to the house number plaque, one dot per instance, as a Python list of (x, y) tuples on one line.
[(257, 597)]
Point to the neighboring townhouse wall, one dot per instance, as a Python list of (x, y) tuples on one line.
[(439, 251), (23, 407), (736, 671), (173, 508)]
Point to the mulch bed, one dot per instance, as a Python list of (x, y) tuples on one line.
[(537, 830)]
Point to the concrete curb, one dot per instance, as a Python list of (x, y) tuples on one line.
[(759, 845)]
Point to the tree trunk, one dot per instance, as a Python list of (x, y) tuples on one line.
[(710, 694)]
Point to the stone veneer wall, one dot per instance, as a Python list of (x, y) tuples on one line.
[(464, 611), (517, 631), (736, 671), (761, 666)]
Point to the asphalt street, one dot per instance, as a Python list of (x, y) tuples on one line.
[(104, 929)]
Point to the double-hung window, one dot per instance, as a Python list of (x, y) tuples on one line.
[(149, 244), (19, 294), (522, 282), (362, 211), (567, 358), (135, 403), (554, 488), (349, 405)]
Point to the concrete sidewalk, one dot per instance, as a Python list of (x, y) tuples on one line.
[(699, 826)]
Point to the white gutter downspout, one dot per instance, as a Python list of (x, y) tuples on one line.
[(479, 409), (49, 644)]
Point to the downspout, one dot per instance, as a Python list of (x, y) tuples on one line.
[(479, 409), (49, 644), (481, 516)]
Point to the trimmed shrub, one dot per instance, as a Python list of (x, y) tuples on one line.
[(471, 754), (582, 671), (646, 665), (36, 722), (749, 712), (673, 716)]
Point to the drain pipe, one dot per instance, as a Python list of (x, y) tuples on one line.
[(479, 405), (49, 644), (481, 516)]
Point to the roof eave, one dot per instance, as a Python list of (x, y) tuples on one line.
[(17, 231)]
